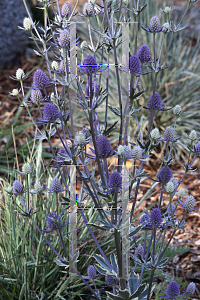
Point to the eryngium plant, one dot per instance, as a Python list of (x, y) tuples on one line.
[(89, 149)]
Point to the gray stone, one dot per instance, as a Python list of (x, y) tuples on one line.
[(13, 41)]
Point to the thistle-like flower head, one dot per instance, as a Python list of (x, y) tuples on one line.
[(155, 134), (53, 222), (139, 250), (177, 110), (144, 54), (197, 149), (154, 24), (115, 181), (164, 175), (40, 79), (168, 134), (27, 23), (103, 146), (64, 38), (36, 96), (26, 169), (189, 203), (134, 64), (191, 288), (156, 217), (66, 10), (50, 112), (55, 185), (18, 188), (157, 102), (111, 280), (88, 9), (89, 65), (173, 289), (136, 152), (91, 271)]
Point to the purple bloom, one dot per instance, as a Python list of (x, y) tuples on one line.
[(87, 89), (64, 38), (40, 79), (144, 54), (139, 250), (36, 96), (115, 181), (66, 10), (88, 9), (164, 175), (91, 272), (90, 65), (154, 24), (134, 64), (55, 185), (144, 219), (111, 280), (157, 102), (191, 288), (168, 134), (18, 188), (173, 291), (51, 222), (197, 149), (156, 217), (103, 146), (50, 112)]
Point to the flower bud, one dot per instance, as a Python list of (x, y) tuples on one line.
[(91, 272), (181, 193), (15, 92), (170, 187), (56, 185), (177, 110), (84, 45), (27, 23), (54, 65), (191, 288), (120, 150), (155, 134), (154, 24), (193, 135), (136, 152), (26, 169), (167, 9), (38, 187), (189, 203), (19, 74)]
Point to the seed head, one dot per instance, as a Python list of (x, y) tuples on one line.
[(111, 280), (90, 64), (88, 9), (115, 181), (19, 74), (139, 250), (27, 23), (193, 135), (50, 112), (164, 175), (40, 79), (173, 289), (154, 24), (157, 101), (56, 185), (54, 65), (189, 203), (170, 188), (15, 92), (38, 187), (156, 217), (36, 96), (144, 54), (136, 152), (191, 288), (177, 110), (181, 193), (103, 146), (120, 150), (66, 10), (91, 272), (64, 38), (26, 169), (17, 187), (168, 134), (197, 149), (84, 45), (155, 134), (135, 65)]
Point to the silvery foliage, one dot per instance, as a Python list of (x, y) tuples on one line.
[(56, 115)]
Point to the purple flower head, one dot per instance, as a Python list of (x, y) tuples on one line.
[(164, 175), (168, 134), (64, 38), (197, 149), (139, 250), (144, 219), (90, 65), (134, 64), (60, 158), (36, 96), (91, 271), (51, 222), (50, 112), (144, 54), (115, 181), (18, 188), (173, 289), (157, 102), (111, 280), (154, 24), (156, 217), (191, 288), (87, 89), (189, 203), (66, 10), (103, 146), (40, 79), (55, 185), (88, 9)]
